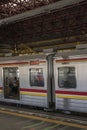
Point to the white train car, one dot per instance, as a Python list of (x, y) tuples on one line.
[(52, 80), (70, 72)]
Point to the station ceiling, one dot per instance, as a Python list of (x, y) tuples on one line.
[(32, 25), (9, 8)]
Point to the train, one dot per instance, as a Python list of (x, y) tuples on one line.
[(50, 80)]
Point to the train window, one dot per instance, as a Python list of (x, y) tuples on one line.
[(36, 77), (66, 77)]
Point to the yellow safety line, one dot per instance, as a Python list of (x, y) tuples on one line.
[(45, 119), (71, 96), (34, 94)]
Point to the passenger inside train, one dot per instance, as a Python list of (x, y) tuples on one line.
[(14, 84)]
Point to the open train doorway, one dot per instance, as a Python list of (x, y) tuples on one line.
[(11, 82)]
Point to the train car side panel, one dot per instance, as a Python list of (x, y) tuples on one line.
[(33, 85), (71, 94)]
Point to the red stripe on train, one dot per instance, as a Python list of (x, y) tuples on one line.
[(14, 63), (71, 92), (33, 90), (20, 63), (68, 60)]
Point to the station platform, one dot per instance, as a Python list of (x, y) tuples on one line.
[(29, 119)]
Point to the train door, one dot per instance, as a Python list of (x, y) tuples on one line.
[(11, 82)]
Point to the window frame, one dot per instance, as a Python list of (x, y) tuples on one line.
[(68, 84), (37, 84)]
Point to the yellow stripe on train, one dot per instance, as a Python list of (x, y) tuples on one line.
[(34, 94), (71, 96)]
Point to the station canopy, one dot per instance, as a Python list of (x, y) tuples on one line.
[(32, 25)]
